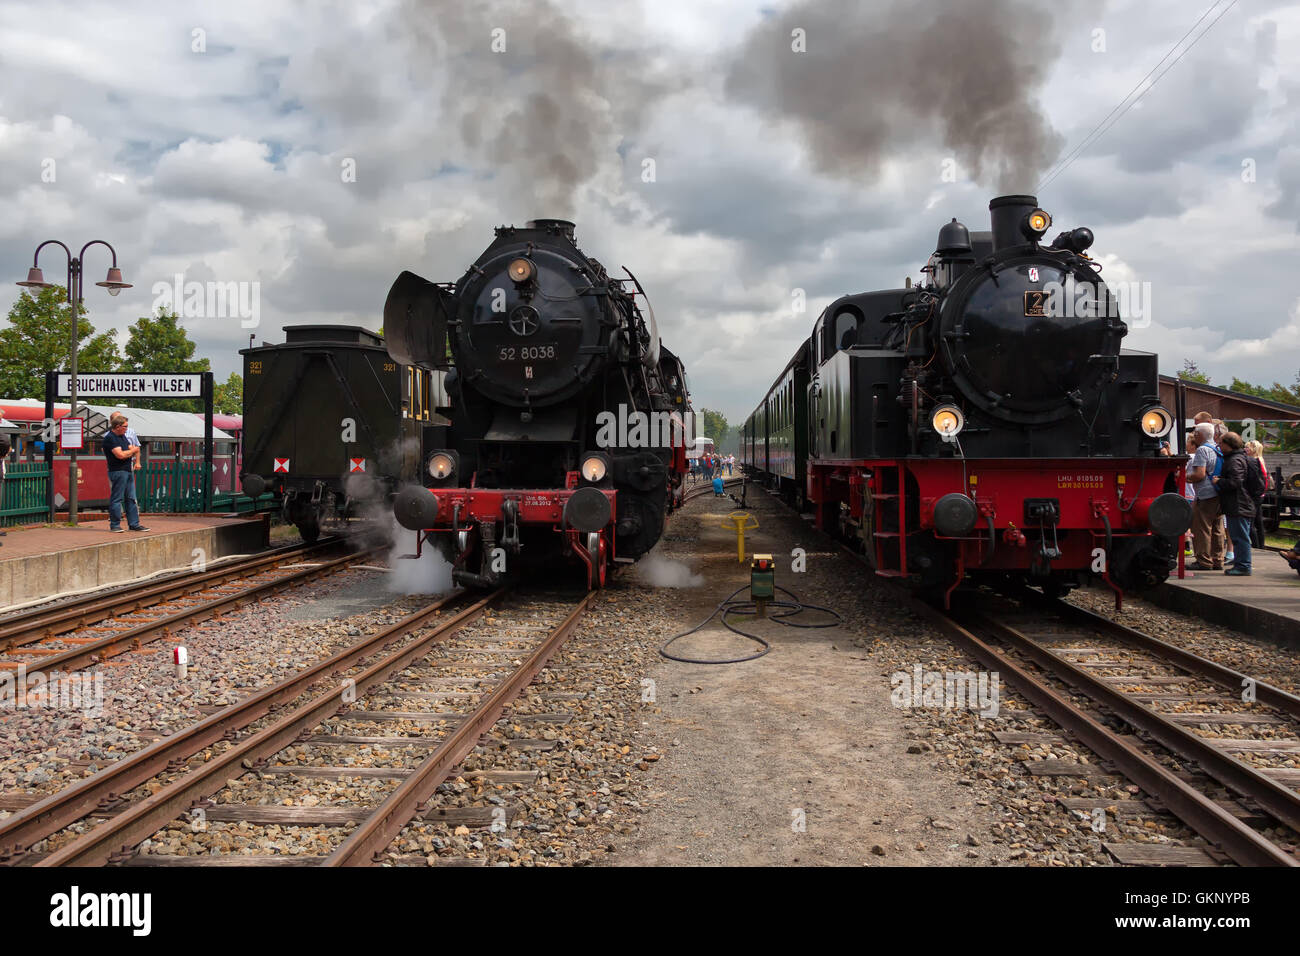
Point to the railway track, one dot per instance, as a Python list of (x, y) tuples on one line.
[(391, 716), (1152, 710), (704, 488), (1172, 722), (94, 628)]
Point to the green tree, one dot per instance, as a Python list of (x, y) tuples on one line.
[(37, 339), (713, 425), (1277, 392), (159, 344), (228, 397), (1192, 373), (1280, 437)]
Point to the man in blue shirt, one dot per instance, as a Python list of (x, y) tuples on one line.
[(1207, 529), (121, 455)]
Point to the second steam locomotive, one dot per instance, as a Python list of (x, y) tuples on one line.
[(986, 421), (545, 354)]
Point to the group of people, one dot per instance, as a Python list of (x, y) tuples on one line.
[(709, 466), (1226, 483)]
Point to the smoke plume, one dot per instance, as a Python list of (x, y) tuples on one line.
[(878, 77), (524, 88)]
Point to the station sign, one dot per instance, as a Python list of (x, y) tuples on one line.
[(132, 385)]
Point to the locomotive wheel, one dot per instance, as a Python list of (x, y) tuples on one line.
[(1055, 589), (596, 552), (309, 530)]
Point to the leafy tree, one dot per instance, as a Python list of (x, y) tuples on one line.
[(1280, 437), (1192, 373), (159, 344), (228, 397), (1277, 392), (713, 425), (37, 339)]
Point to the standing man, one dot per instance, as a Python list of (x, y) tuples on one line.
[(121, 455), (1207, 523), (1236, 502)]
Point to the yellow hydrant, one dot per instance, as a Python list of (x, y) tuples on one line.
[(740, 520)]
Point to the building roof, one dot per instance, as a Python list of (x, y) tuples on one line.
[(154, 425), (1226, 404), (149, 423)]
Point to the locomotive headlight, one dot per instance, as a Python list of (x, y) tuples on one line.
[(594, 468), (1156, 421), (521, 270), (441, 465), (1037, 223), (947, 420)]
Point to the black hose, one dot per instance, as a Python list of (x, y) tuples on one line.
[(729, 606)]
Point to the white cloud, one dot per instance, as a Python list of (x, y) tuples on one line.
[(226, 165)]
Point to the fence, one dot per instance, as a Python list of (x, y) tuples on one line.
[(22, 497), (160, 486), (170, 486), (177, 487)]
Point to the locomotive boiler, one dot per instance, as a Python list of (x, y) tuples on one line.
[(567, 416), (986, 421)]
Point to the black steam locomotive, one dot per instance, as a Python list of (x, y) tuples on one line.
[(984, 421), (567, 417)]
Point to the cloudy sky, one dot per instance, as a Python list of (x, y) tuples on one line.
[(729, 153)]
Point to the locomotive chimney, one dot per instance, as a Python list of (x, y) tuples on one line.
[(1007, 214), (560, 226)]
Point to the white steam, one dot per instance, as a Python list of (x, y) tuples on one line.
[(660, 572), (428, 574)]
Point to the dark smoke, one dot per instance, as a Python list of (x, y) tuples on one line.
[(548, 112), (878, 77)]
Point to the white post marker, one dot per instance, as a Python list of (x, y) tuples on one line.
[(181, 657)]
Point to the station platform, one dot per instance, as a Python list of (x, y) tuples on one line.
[(37, 562), (1266, 604)]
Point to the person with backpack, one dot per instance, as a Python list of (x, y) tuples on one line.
[(1255, 452), (1207, 528), (1235, 501)]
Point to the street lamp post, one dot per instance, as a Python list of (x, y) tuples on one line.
[(114, 284)]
